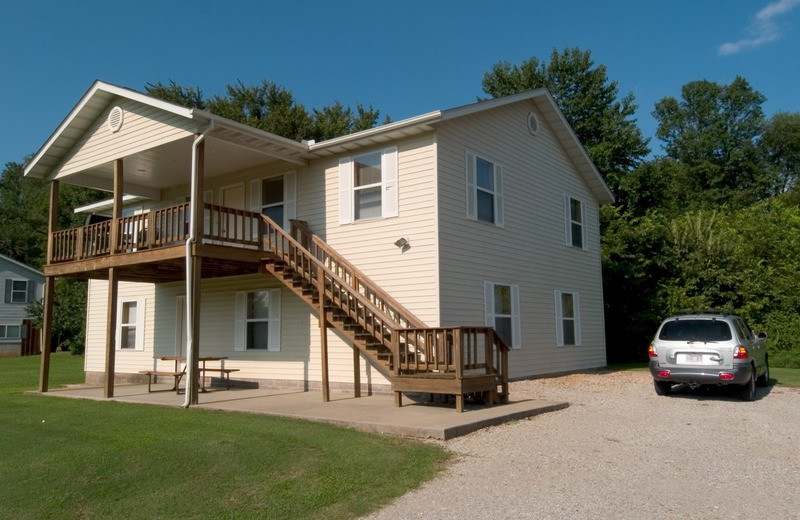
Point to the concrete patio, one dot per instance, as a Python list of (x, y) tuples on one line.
[(375, 413)]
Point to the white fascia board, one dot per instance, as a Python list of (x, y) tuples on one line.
[(107, 204), (114, 90), (421, 120)]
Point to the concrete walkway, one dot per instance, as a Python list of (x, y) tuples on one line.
[(375, 413)]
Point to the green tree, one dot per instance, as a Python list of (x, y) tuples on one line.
[(713, 130), (189, 97), (336, 120), (267, 106), (602, 121), (781, 144)]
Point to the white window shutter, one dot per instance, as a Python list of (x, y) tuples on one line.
[(240, 325), (289, 198), (567, 220), (472, 194), (345, 190), (255, 196), (559, 321), (516, 326), (9, 282), (498, 195), (389, 197), (140, 314), (488, 304), (274, 319)]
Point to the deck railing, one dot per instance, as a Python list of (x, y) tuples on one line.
[(157, 228), (456, 350)]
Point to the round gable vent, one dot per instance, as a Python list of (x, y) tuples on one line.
[(115, 119), (533, 124)]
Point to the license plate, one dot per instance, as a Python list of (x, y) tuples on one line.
[(694, 358)]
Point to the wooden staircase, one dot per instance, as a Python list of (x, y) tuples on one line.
[(459, 361)]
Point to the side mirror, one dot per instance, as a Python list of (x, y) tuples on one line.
[(762, 335)]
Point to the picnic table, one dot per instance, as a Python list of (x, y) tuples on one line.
[(180, 370)]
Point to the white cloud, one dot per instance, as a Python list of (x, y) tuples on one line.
[(765, 28)]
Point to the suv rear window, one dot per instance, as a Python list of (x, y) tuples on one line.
[(695, 330)]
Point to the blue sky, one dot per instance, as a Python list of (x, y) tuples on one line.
[(403, 57)]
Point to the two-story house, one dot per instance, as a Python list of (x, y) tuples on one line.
[(443, 253), (22, 286)]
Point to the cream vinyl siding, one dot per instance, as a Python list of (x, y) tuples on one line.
[(143, 127), (127, 360), (410, 276), (530, 250), (299, 356)]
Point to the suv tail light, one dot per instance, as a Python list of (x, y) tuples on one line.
[(651, 350), (740, 352)]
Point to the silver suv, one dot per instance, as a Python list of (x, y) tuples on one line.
[(708, 348)]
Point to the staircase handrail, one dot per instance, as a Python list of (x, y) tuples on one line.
[(272, 228), (411, 321)]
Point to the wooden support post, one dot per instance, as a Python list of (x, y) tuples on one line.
[(111, 332), (323, 334), (356, 372), (193, 364), (117, 210), (49, 287), (47, 332)]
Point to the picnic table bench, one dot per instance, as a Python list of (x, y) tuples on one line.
[(178, 373)]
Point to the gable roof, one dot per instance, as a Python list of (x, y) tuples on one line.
[(254, 143), (38, 274), (426, 122)]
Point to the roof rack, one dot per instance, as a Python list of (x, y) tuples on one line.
[(723, 312)]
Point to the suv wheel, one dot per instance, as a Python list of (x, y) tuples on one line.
[(662, 387), (748, 390), (763, 380)]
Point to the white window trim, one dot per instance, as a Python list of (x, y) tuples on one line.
[(4, 328), (289, 196), (472, 188), (274, 320), (389, 187), (560, 318), (568, 221), (489, 315), (140, 314)]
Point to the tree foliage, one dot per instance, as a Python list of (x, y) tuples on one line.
[(272, 108), (714, 131), (602, 120)]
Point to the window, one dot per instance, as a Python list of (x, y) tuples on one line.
[(258, 320), (368, 186), (130, 325), (19, 291), (568, 326), (275, 197), (576, 234), (501, 308), (484, 190), (9, 332)]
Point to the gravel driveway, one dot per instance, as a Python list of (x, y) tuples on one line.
[(620, 451)]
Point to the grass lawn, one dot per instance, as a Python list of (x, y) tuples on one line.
[(66, 458)]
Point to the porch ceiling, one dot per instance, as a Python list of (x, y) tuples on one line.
[(148, 172)]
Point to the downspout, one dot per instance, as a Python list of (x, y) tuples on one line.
[(190, 264)]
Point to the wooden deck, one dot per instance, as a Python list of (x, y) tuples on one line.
[(151, 247)]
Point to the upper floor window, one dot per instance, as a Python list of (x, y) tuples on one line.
[(484, 190), (368, 186), (19, 291), (568, 324), (501, 308), (275, 197), (258, 320), (576, 223)]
